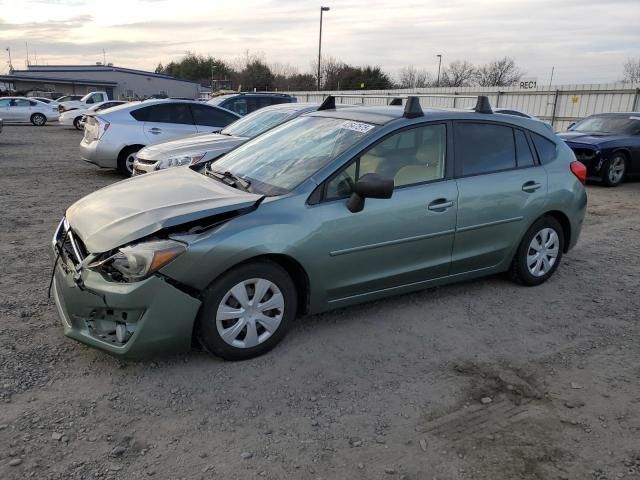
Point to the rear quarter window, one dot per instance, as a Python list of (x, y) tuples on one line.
[(546, 149)]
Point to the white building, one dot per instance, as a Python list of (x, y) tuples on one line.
[(118, 82)]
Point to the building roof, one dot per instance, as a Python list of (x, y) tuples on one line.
[(29, 78), (97, 68)]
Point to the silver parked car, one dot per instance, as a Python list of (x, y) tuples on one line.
[(199, 149), (27, 110), (112, 138)]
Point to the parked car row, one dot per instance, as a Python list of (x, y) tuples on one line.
[(27, 110), (332, 207), (76, 117), (113, 137)]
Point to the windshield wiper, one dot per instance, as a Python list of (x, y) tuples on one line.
[(230, 179)]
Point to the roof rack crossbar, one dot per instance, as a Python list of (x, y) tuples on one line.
[(412, 108)]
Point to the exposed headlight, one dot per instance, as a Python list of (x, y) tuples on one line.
[(180, 160), (137, 262)]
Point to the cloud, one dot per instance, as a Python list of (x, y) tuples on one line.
[(586, 40)]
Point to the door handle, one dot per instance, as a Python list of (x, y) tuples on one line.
[(440, 205), (531, 186), (155, 130)]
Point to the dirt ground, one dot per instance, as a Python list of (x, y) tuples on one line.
[(480, 380)]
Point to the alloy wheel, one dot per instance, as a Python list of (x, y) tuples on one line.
[(250, 313), (38, 120), (128, 163), (543, 252), (616, 170)]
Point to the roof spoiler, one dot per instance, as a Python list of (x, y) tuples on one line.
[(329, 103), (483, 105)]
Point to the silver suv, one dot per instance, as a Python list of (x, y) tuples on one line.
[(111, 139), (200, 149)]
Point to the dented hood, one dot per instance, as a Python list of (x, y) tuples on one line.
[(137, 207)]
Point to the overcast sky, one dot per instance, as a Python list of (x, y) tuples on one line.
[(587, 41)]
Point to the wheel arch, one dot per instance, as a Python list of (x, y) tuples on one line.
[(564, 222), (126, 148), (293, 268)]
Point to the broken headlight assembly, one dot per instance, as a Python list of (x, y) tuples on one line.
[(137, 262)]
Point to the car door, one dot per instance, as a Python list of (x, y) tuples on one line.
[(211, 119), (502, 189), (20, 110), (168, 120), (5, 109), (393, 242)]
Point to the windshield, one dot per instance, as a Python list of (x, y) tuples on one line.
[(255, 123), (281, 159), (604, 124)]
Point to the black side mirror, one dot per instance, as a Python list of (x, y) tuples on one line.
[(370, 185)]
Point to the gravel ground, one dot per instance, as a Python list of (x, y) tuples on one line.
[(483, 379)]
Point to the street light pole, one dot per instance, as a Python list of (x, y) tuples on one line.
[(439, 64), (322, 9), (10, 65)]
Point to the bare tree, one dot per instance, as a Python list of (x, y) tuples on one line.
[(499, 73), (458, 74), (411, 77), (632, 71)]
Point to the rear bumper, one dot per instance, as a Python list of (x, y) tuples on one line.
[(99, 153), (158, 317), (66, 120)]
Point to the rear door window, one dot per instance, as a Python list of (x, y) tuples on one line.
[(211, 116), (546, 149), (238, 105), (21, 102), (483, 148), (179, 113)]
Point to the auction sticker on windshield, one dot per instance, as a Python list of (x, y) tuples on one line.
[(356, 126)]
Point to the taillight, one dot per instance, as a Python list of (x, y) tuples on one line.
[(579, 170), (100, 128)]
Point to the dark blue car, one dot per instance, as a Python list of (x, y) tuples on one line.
[(608, 144)]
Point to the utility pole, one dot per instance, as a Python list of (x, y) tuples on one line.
[(439, 65), (10, 64), (322, 9), (104, 58), (26, 46)]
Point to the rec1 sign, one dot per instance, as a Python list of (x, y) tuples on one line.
[(528, 83)]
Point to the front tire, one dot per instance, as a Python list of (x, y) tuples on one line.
[(539, 253), (38, 119), (76, 123), (126, 159), (247, 311), (614, 170)]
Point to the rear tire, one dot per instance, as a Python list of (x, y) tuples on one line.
[(38, 119), (614, 170), (126, 159), (539, 253), (247, 311), (76, 123)]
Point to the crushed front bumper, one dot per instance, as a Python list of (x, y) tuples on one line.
[(153, 316)]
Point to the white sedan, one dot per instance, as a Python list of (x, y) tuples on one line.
[(73, 118), (27, 110)]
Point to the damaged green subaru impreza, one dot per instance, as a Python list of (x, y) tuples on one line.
[(333, 208)]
